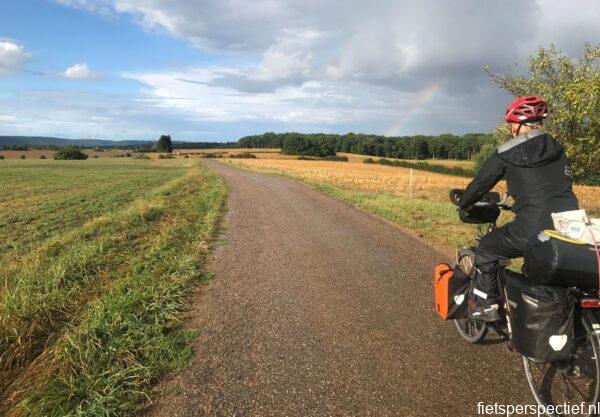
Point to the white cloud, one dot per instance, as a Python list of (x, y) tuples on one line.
[(7, 118), (82, 72), (12, 57)]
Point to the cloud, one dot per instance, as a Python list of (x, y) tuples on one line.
[(385, 66), (7, 118), (12, 57), (81, 72)]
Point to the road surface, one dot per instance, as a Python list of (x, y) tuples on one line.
[(320, 309)]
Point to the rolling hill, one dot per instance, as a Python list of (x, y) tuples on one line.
[(51, 141)]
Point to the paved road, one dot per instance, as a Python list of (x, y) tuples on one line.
[(319, 309)]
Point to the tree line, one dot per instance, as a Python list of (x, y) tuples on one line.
[(446, 146)]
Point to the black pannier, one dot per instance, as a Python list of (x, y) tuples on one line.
[(541, 319), (551, 260)]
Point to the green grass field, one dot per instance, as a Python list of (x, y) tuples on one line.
[(98, 260)]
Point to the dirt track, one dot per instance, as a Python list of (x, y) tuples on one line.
[(318, 309)]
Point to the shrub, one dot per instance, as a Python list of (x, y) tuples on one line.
[(23, 157), (244, 155), (142, 156), (163, 156), (43, 157), (1, 156), (335, 158), (96, 156), (69, 152), (325, 158), (212, 155), (128, 155)]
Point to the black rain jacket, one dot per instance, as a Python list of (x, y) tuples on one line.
[(537, 174)]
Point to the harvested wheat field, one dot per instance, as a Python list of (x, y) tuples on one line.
[(388, 180), (271, 153), (355, 157)]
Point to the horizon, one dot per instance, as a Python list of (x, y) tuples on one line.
[(125, 69), (175, 140)]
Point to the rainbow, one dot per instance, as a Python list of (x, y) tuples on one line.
[(423, 98)]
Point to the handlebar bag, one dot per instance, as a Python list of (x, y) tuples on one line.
[(552, 259), (479, 215), (541, 319), (451, 292)]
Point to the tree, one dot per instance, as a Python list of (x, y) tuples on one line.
[(572, 90), (69, 152), (165, 144)]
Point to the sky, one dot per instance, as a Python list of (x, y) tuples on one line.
[(217, 70)]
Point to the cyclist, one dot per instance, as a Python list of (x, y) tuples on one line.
[(537, 174)]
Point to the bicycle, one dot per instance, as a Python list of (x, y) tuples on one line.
[(574, 381)]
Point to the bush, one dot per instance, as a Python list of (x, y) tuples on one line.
[(325, 158), (69, 152), (142, 156), (43, 157), (162, 156), (368, 161), (335, 158), (23, 157), (128, 155), (96, 156), (244, 155), (212, 155), (1, 156)]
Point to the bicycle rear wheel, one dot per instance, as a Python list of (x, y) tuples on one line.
[(575, 381), (471, 330)]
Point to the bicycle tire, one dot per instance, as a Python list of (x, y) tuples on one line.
[(545, 398)]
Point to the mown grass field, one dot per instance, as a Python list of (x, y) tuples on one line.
[(98, 259), (384, 190)]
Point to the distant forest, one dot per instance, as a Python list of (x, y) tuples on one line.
[(444, 146)]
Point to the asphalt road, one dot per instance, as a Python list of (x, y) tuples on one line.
[(320, 309)]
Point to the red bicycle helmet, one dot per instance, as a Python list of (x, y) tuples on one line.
[(526, 110)]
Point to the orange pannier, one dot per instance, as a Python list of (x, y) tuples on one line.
[(451, 291)]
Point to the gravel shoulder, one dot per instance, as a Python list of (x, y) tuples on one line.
[(320, 309)]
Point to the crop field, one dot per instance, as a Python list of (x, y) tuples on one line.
[(97, 260), (385, 190)]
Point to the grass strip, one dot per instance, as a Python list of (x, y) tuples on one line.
[(104, 364)]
